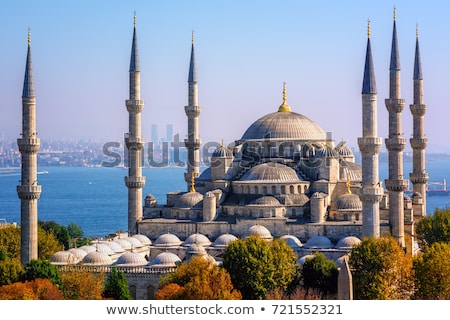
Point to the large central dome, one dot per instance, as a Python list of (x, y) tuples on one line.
[(284, 126)]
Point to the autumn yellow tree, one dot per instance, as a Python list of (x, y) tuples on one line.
[(198, 279), (82, 285), (37, 289)]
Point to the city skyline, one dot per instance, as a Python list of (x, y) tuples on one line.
[(244, 51)]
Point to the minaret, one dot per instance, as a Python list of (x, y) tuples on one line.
[(395, 144), (192, 110), (29, 191), (370, 145), (419, 177), (133, 140)]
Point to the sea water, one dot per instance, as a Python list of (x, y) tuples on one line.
[(96, 198)]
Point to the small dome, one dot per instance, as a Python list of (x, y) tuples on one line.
[(298, 199), (88, 248), (224, 240), (416, 195), (347, 242), (116, 247), (259, 231), (349, 202), (97, 259), (63, 258), (318, 242), (301, 260), (165, 259), (222, 152), (126, 245), (326, 152), (292, 241), (189, 200), (195, 249), (78, 253), (167, 240), (131, 259), (135, 243), (102, 247), (266, 201), (143, 239), (318, 195), (271, 171), (343, 150), (197, 238)]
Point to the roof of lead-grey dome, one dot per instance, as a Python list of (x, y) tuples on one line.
[(284, 126), (271, 171)]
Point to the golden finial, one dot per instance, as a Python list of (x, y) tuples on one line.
[(368, 28), (417, 30), (134, 19), (192, 182), (347, 184), (284, 106), (192, 36), (395, 13), (29, 35), (223, 145)]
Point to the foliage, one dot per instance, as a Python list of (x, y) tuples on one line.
[(116, 286), (42, 269), (257, 267), (434, 228), (381, 270), (320, 274), (75, 230), (10, 271), (10, 241), (432, 272), (82, 285), (37, 289), (47, 244), (198, 279)]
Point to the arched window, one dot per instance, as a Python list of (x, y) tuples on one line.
[(256, 189), (132, 289), (274, 190), (283, 189), (151, 292), (264, 189), (291, 190)]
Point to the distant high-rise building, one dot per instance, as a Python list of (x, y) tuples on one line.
[(169, 132), (154, 134)]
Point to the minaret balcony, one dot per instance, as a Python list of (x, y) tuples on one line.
[(29, 192), (192, 111), (192, 143), (134, 106), (29, 145), (418, 109), (395, 144), (134, 143), (419, 177), (396, 185), (418, 143), (135, 182), (370, 145), (371, 194), (395, 105)]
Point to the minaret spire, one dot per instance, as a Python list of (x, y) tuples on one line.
[(395, 143), (29, 191), (133, 139), (370, 145), (419, 177), (192, 111)]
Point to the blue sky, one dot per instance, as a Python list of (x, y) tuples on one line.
[(245, 50)]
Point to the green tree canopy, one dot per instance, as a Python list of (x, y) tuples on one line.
[(432, 272), (42, 269), (257, 267), (434, 228), (116, 286), (381, 270), (10, 271), (320, 274)]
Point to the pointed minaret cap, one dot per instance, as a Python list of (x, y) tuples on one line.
[(192, 78), (134, 61), (417, 61), (369, 84), (28, 82), (395, 57), (284, 106)]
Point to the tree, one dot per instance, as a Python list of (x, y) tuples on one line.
[(42, 269), (10, 271), (381, 270), (432, 272), (257, 267), (37, 289), (198, 279), (116, 286), (81, 284), (47, 244), (75, 230), (320, 274), (434, 228)]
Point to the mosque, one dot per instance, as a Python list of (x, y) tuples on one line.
[(285, 177)]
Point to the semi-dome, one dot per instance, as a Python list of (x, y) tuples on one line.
[(131, 259), (63, 258), (265, 201), (349, 202), (271, 172), (326, 151), (167, 240), (318, 242), (260, 231), (222, 152), (189, 200), (97, 259), (284, 126), (197, 238), (347, 242), (224, 240), (165, 259), (292, 241), (343, 150)]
